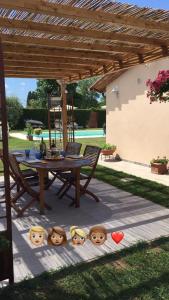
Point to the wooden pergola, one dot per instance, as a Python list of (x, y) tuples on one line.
[(70, 40)]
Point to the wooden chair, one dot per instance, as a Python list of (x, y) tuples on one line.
[(92, 153), (25, 185), (72, 148), (27, 173)]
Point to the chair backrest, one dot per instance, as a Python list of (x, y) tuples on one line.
[(92, 153), (17, 174), (73, 148), (14, 166)]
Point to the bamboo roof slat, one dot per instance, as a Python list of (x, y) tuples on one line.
[(84, 38)]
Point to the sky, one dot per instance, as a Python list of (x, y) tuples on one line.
[(20, 87)]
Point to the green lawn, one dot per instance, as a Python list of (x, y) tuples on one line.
[(23, 144), (137, 273)]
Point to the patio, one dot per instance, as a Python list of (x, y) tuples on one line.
[(138, 218), (135, 170)]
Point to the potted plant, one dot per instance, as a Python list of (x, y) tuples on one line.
[(108, 149), (38, 131), (159, 165), (29, 132), (4, 256)]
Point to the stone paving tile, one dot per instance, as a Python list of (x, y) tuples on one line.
[(117, 210)]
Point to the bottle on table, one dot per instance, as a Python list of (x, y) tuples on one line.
[(43, 148), (53, 145)]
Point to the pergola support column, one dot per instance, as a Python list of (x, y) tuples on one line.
[(3, 120), (64, 115)]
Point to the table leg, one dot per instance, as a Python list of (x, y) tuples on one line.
[(77, 188), (41, 191)]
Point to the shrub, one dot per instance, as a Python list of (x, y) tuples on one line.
[(109, 147), (29, 129), (81, 117), (159, 160), (15, 111), (37, 131)]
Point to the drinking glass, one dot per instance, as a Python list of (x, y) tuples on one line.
[(38, 155), (27, 153)]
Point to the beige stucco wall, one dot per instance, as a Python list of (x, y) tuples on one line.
[(139, 129)]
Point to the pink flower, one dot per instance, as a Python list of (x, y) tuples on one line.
[(157, 87)]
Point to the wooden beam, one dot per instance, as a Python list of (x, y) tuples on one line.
[(77, 32), (46, 66), (11, 75), (121, 64), (141, 58), (165, 51), (17, 39), (51, 60), (99, 16), (42, 72), (51, 52)]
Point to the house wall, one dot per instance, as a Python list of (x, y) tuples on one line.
[(139, 129)]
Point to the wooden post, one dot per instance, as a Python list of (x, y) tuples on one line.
[(3, 117), (49, 122), (64, 115)]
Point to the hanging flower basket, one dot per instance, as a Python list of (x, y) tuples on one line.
[(159, 88)]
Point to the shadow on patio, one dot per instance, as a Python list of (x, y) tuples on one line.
[(138, 218)]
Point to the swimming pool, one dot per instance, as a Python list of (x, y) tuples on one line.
[(78, 134)]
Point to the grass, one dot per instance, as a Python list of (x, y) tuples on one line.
[(148, 189), (17, 144), (137, 273), (156, 192)]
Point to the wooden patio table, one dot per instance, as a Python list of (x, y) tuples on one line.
[(59, 165)]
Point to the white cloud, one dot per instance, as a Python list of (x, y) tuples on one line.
[(6, 86), (23, 83)]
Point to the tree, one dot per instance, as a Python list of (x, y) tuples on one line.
[(82, 96), (90, 98), (46, 87), (102, 100), (35, 103), (15, 111), (72, 94), (32, 95), (39, 97)]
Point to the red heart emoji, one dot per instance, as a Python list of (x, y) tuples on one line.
[(117, 237)]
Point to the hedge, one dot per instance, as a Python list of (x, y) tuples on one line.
[(81, 117)]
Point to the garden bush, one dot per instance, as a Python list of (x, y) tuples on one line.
[(81, 117)]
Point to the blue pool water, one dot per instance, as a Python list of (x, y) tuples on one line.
[(78, 134)]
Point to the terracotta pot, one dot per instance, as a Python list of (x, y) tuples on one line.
[(107, 152), (158, 168), (30, 137)]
